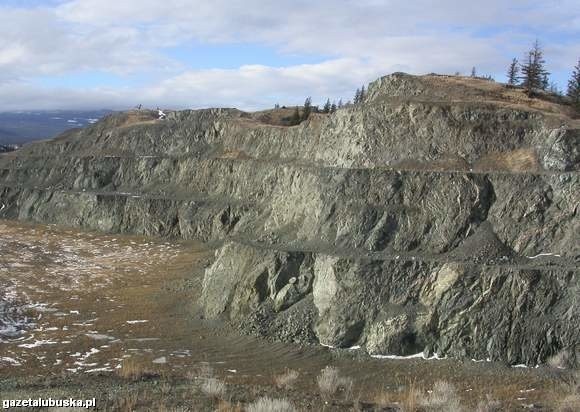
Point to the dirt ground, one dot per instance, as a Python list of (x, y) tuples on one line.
[(115, 318)]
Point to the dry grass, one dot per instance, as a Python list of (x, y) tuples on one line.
[(561, 360), (520, 160), (287, 379), (270, 405), (213, 388), (410, 401), (383, 398), (489, 405), (133, 369), (330, 382), (571, 401), (442, 398), (127, 403), (225, 406), (234, 154)]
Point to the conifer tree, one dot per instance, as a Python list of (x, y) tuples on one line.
[(473, 72), (362, 94), (513, 72), (574, 86), (327, 106), (339, 103), (295, 119), (534, 75), (307, 108), (356, 99), (333, 107)]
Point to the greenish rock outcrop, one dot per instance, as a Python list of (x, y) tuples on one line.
[(441, 214)]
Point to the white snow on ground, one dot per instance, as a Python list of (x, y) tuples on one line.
[(37, 344), (40, 263), (5, 359), (415, 356), (544, 254)]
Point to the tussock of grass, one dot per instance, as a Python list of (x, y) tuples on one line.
[(330, 382), (411, 399), (133, 369), (442, 398), (127, 403), (489, 405), (561, 360), (213, 388), (570, 403), (286, 380), (270, 405)]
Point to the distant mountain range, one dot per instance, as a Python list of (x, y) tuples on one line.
[(22, 127)]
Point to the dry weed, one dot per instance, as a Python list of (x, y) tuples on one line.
[(411, 398), (442, 398), (213, 388), (489, 405), (132, 369), (330, 382), (270, 405), (286, 380)]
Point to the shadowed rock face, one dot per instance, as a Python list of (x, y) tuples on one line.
[(440, 214)]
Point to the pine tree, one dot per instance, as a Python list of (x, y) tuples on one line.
[(574, 86), (555, 89), (362, 94), (326, 108), (512, 73), (356, 99), (307, 108), (534, 75), (295, 119), (339, 103), (333, 107), (473, 72)]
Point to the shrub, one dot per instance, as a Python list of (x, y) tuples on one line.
[(287, 379), (443, 397), (270, 405)]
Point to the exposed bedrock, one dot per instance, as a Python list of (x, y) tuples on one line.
[(440, 215), (511, 313)]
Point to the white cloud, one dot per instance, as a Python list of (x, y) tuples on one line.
[(359, 40)]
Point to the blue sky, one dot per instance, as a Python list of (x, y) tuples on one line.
[(76, 54)]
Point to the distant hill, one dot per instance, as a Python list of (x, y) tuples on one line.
[(21, 127)]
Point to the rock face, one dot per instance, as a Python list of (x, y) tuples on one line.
[(441, 214)]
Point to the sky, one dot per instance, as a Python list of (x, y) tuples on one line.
[(252, 54)]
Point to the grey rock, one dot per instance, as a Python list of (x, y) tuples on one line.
[(439, 214)]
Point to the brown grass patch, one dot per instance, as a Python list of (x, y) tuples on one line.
[(133, 369), (411, 398), (520, 160), (135, 117), (286, 380), (234, 154)]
